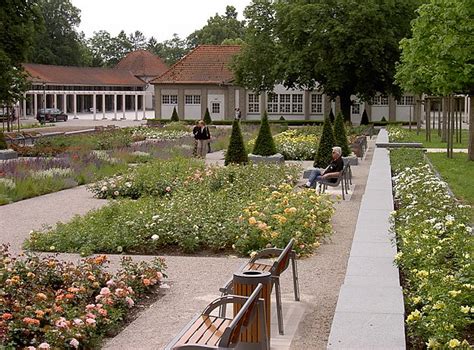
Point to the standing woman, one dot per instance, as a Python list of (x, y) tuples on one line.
[(202, 136)]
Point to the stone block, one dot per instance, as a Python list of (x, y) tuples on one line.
[(370, 299), (375, 250), (275, 158), (6, 154)]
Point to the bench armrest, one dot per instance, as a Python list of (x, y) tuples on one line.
[(332, 175), (227, 299)]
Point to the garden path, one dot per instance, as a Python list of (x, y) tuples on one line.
[(195, 281)]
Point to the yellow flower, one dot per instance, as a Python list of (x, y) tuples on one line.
[(416, 300), (290, 210), (414, 316), (439, 305), (465, 309), (252, 221), (422, 274), (432, 344), (262, 226), (454, 293), (454, 343)]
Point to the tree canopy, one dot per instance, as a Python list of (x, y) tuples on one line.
[(218, 29), (438, 59), (344, 47), (58, 41)]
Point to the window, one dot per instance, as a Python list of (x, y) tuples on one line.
[(380, 100), (285, 103), (254, 103), (169, 99), (192, 99), (406, 101), (317, 103), (272, 103), (215, 107), (297, 103), (356, 108)]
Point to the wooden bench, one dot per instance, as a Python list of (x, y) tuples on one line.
[(341, 179), (284, 256), (206, 331)]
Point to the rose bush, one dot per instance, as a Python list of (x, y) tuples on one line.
[(45, 303), (436, 247)]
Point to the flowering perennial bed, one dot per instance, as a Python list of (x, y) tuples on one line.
[(237, 207), (48, 304), (436, 247)]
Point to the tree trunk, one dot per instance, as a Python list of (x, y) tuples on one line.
[(471, 128), (346, 106)]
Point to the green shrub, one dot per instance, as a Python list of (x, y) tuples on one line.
[(3, 143), (282, 118), (383, 120), (207, 117), (340, 136), (331, 116), (174, 115), (264, 145), (236, 152), (365, 118), (326, 143)]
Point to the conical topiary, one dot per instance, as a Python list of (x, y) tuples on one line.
[(365, 118), (340, 136), (331, 116), (3, 143), (174, 116), (236, 152), (207, 117), (264, 145), (324, 154)]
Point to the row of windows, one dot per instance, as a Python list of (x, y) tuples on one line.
[(285, 103), (188, 99), (406, 101)]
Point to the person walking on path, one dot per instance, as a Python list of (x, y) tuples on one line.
[(203, 137), (336, 166)]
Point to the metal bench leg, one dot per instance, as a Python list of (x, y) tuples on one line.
[(296, 285), (278, 306), (342, 186)]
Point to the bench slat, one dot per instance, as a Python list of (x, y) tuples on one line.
[(205, 330), (259, 267), (217, 334), (197, 326)]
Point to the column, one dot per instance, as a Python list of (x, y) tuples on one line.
[(144, 105), (180, 108), (94, 105), (123, 106), (23, 113), (306, 105), (55, 101), (115, 107), (158, 102), (204, 101), (65, 103), (75, 106), (136, 105), (103, 107), (35, 103)]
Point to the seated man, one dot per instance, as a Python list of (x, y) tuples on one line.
[(331, 172)]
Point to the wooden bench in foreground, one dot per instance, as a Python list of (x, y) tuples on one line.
[(283, 257), (206, 331)]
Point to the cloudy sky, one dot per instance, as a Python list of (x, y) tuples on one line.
[(158, 18)]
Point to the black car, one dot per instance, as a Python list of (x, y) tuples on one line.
[(50, 115)]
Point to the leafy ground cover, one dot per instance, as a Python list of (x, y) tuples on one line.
[(49, 304), (436, 245), (243, 208), (458, 172), (398, 134)]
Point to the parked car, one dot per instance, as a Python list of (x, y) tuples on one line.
[(50, 115)]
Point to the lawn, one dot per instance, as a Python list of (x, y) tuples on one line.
[(460, 180), (435, 139)]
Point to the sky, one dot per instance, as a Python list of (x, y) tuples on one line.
[(158, 18)]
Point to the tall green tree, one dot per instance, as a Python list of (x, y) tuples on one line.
[(106, 50), (326, 143), (58, 41), (170, 51), (438, 59), (137, 40), (218, 29), (236, 152), (18, 21), (346, 47), (264, 144)]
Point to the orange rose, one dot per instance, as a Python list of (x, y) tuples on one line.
[(7, 316)]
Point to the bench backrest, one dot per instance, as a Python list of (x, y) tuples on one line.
[(281, 264), (243, 318)]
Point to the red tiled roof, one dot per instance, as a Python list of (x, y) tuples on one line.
[(142, 63), (80, 76), (206, 64)]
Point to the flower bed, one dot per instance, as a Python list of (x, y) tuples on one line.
[(206, 211), (436, 248), (48, 304)]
